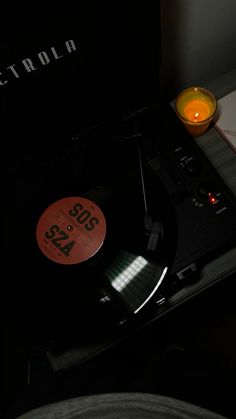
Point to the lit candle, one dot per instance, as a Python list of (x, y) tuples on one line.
[(195, 107)]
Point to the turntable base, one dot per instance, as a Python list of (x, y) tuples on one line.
[(215, 268), (152, 183)]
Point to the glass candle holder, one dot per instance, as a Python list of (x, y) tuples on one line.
[(196, 107)]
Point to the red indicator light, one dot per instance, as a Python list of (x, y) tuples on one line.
[(212, 199)]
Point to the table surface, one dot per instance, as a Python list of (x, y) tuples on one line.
[(213, 145)]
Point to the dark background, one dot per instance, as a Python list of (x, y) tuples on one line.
[(116, 66)]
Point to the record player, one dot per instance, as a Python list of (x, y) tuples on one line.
[(108, 205), (198, 209), (136, 210)]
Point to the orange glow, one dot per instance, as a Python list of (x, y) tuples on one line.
[(197, 110), (212, 198), (196, 106)]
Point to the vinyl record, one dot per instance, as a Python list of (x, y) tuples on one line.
[(90, 236)]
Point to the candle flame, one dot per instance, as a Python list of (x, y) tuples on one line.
[(196, 116)]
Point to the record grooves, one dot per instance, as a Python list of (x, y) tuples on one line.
[(94, 195)]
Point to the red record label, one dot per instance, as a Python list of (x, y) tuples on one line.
[(71, 230)]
